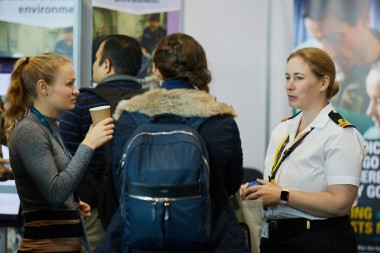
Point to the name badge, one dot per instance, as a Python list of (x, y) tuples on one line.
[(264, 230)]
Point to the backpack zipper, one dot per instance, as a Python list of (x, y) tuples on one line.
[(124, 156)]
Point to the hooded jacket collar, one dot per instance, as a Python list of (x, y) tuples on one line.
[(183, 102)]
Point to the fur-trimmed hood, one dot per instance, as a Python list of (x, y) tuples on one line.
[(184, 102)]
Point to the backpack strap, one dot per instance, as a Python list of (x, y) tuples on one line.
[(140, 118), (111, 95), (196, 122)]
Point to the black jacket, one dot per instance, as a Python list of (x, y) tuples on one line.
[(222, 139)]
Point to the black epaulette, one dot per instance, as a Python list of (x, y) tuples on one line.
[(339, 120), (285, 119)]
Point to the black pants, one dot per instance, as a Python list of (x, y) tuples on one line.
[(335, 235)]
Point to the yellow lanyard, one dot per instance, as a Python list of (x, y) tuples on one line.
[(278, 160)]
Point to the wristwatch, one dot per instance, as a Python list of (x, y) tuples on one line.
[(284, 197)]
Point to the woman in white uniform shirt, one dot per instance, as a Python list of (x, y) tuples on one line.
[(313, 164)]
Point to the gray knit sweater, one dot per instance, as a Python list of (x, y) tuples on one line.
[(45, 177)]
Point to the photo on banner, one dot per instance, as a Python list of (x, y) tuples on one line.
[(349, 31), (146, 21), (29, 28)]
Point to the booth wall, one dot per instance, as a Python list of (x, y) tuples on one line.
[(247, 43)]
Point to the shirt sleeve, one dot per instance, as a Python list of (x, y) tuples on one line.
[(44, 160), (344, 157)]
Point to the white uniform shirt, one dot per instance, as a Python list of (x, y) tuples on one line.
[(328, 155)]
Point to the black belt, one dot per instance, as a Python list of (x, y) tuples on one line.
[(305, 224), (53, 231), (68, 226), (42, 215)]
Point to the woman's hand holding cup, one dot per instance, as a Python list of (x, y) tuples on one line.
[(101, 131)]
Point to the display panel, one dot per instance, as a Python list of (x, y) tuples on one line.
[(29, 28), (10, 208), (349, 31), (146, 21), (6, 67)]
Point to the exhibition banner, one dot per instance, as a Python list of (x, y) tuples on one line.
[(138, 6), (350, 33), (365, 217), (47, 13)]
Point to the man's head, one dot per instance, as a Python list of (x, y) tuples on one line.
[(154, 21), (117, 54), (341, 26)]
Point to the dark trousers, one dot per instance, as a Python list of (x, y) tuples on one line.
[(337, 236)]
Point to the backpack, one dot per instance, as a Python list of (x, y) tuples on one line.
[(165, 202), (106, 196)]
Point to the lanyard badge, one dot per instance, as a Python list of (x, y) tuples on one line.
[(278, 158), (42, 119)]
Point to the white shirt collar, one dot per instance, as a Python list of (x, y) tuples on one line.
[(319, 122)]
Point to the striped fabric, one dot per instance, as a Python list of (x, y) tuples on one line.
[(52, 231), (74, 124)]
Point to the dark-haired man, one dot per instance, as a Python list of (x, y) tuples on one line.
[(152, 34), (117, 62)]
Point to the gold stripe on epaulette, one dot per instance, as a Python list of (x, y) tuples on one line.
[(344, 123), (339, 120)]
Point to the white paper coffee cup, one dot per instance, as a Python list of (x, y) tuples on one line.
[(99, 113)]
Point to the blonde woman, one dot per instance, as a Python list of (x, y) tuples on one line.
[(313, 163), (46, 174)]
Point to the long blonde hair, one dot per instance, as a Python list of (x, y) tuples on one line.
[(23, 87)]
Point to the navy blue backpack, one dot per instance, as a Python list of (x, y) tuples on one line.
[(165, 203)]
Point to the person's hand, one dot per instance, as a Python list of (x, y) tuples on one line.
[(2, 160), (242, 191), (99, 134), (268, 192), (5, 173), (85, 209)]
